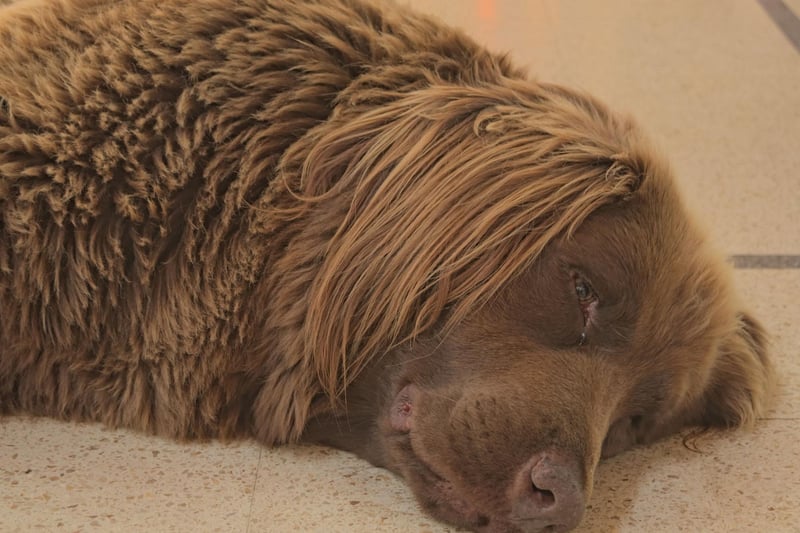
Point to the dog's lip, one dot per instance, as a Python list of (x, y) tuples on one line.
[(451, 507), (438, 493), (433, 490)]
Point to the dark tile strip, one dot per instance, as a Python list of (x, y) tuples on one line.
[(785, 19), (765, 261)]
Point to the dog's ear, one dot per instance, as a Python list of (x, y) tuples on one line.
[(435, 199), (742, 378)]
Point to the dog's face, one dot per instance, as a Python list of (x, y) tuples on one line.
[(619, 335)]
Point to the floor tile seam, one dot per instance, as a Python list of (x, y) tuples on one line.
[(785, 19), (765, 261), (253, 491)]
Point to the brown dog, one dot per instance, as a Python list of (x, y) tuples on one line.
[(325, 220)]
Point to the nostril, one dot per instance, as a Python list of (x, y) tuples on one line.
[(543, 497)]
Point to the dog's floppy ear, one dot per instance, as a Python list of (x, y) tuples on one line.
[(741, 379), (443, 195)]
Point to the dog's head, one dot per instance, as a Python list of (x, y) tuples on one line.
[(554, 304)]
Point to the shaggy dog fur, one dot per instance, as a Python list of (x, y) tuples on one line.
[(322, 219)]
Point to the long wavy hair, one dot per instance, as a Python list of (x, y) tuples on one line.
[(447, 193)]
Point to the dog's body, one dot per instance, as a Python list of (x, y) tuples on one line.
[(323, 219)]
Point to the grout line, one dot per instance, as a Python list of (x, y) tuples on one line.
[(255, 484), (765, 261), (785, 19)]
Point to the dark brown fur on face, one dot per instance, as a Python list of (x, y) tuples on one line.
[(535, 375), (352, 225)]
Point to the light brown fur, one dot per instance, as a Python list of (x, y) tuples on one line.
[(227, 218)]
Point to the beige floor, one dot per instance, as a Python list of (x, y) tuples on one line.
[(718, 86)]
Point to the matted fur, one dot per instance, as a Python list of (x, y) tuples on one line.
[(217, 215)]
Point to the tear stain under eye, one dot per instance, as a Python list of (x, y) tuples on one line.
[(587, 321), (582, 338), (589, 311)]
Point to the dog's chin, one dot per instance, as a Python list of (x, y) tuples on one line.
[(442, 498)]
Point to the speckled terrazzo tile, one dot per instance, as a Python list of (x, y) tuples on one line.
[(67, 477), (737, 482), (772, 296), (313, 489)]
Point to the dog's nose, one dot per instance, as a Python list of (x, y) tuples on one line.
[(548, 494)]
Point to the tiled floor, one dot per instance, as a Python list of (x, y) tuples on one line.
[(718, 86)]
